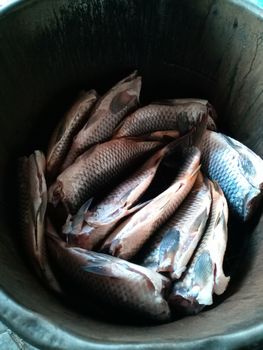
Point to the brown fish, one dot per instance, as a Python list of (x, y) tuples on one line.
[(106, 115), (33, 203), (96, 169), (130, 236), (171, 248), (88, 228), (112, 281), (205, 275), (69, 126), (176, 101), (157, 117)]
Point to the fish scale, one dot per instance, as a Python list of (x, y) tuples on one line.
[(188, 223), (106, 115), (155, 117), (95, 169), (68, 127), (111, 280), (222, 163), (89, 227), (204, 276), (128, 238)]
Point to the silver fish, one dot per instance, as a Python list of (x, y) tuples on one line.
[(33, 203), (95, 169), (106, 115), (110, 280), (130, 236), (205, 274), (154, 117), (172, 246), (68, 127), (237, 169)]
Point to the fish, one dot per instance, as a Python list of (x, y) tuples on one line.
[(237, 169), (33, 204), (171, 247), (68, 127), (113, 281), (106, 115), (128, 238), (89, 227), (205, 274), (96, 169), (211, 110), (156, 117)]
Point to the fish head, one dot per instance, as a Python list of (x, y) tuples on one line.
[(183, 303), (251, 202), (125, 93)]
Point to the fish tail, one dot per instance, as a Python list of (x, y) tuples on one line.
[(211, 125), (177, 145), (130, 77), (221, 283), (199, 131), (211, 111), (191, 139)]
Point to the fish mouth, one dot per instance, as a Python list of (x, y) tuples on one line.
[(184, 306), (251, 203)]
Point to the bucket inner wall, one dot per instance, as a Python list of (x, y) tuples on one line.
[(204, 48)]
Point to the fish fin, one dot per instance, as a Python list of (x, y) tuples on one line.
[(67, 227), (211, 125), (192, 138), (221, 284), (149, 282), (79, 217), (115, 247), (203, 269), (178, 144), (116, 130), (200, 221), (168, 249), (194, 171), (137, 207), (99, 269), (130, 77), (85, 206), (220, 281), (199, 131)]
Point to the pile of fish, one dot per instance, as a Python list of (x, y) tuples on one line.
[(129, 205)]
